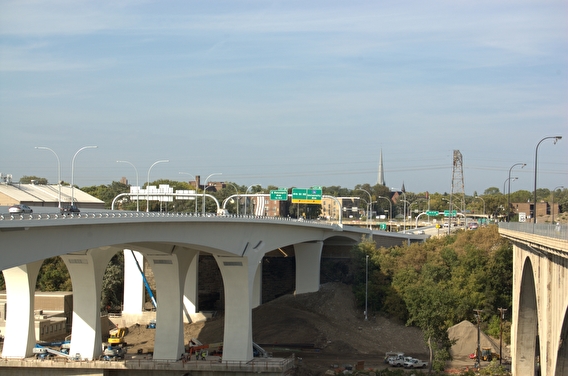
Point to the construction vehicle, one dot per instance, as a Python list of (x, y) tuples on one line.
[(47, 350), (113, 353), (488, 355), (148, 289), (116, 336), (201, 350)]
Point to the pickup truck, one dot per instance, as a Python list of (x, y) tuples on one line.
[(399, 361), (415, 363)]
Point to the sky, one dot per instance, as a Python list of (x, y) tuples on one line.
[(286, 93)]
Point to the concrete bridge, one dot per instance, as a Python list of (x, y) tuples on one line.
[(540, 298), (171, 243)]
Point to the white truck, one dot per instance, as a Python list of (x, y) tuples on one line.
[(398, 361), (415, 363)]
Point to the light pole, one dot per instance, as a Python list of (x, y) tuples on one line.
[(556, 138), (481, 198), (509, 190), (238, 196), (137, 184), (502, 317), (366, 282), (72, 172), (508, 181), (478, 315), (195, 180), (148, 185), (58, 174), (450, 213), (246, 192), (205, 188), (390, 203), (368, 204), (552, 208)]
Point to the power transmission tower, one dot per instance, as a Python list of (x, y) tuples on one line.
[(457, 195)]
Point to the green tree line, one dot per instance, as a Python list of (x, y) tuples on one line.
[(438, 283)]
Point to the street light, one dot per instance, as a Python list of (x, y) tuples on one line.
[(205, 188), (195, 180), (246, 192), (556, 138), (368, 204), (148, 185), (366, 282), (509, 190), (502, 317), (72, 172), (58, 174), (508, 180), (483, 203), (552, 219), (238, 196), (390, 203), (137, 184)]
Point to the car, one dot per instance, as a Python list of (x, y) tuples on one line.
[(70, 209), (419, 232), (473, 225), (415, 363), (20, 209)]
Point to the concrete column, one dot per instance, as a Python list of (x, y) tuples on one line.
[(257, 286), (238, 279), (308, 261), (87, 270), (170, 272), (19, 339), (190, 289), (133, 283)]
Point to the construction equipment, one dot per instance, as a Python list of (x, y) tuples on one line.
[(46, 350), (488, 355), (148, 289), (116, 336), (113, 353)]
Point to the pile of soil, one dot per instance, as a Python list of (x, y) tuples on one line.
[(465, 333), (325, 330)]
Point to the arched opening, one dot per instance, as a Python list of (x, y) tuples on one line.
[(562, 357), (527, 327)]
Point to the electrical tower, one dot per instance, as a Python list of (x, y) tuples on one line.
[(457, 196)]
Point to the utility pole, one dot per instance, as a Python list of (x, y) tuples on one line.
[(478, 315), (502, 316)]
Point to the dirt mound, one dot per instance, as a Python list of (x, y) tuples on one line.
[(326, 328), (466, 335)]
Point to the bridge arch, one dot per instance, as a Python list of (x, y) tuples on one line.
[(562, 357), (527, 346)]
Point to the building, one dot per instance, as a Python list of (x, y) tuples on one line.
[(47, 195), (542, 208), (53, 314), (349, 207)]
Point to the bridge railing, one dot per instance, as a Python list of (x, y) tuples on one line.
[(557, 231), (132, 215)]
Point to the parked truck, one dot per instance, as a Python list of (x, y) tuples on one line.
[(415, 363)]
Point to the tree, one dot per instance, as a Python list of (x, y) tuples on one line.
[(491, 191), (36, 179)]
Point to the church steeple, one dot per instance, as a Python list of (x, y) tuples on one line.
[(381, 177)]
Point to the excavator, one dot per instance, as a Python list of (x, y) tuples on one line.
[(116, 336)]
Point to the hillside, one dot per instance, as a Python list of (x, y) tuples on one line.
[(327, 319)]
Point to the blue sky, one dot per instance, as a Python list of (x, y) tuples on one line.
[(286, 93)]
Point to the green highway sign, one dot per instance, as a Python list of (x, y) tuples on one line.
[(279, 195), (432, 213), (306, 195), (383, 226), (447, 213)]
